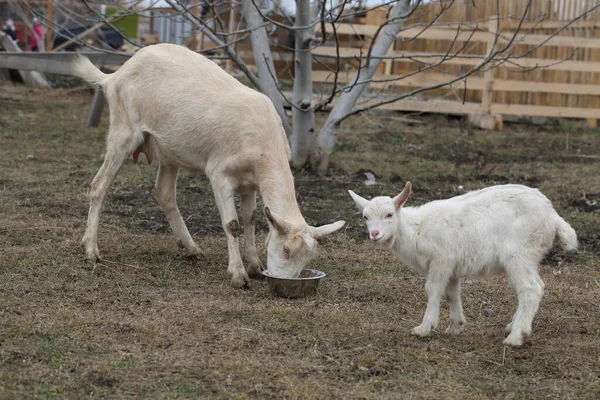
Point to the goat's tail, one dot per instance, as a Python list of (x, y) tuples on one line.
[(84, 69), (567, 238)]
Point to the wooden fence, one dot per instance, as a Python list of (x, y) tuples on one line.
[(561, 78)]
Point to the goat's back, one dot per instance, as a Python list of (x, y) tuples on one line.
[(487, 227), (193, 109)]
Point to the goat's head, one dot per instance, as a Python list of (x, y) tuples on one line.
[(381, 215), (290, 248)]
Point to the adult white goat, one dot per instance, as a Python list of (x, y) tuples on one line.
[(182, 110), (499, 229)]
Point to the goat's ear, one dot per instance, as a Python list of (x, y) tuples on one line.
[(325, 229), (361, 202), (276, 222), (403, 196)]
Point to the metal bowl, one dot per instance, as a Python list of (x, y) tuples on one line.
[(292, 288)]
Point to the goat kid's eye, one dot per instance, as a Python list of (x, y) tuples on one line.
[(390, 215), (365, 218), (286, 250)]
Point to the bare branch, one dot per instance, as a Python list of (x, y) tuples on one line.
[(229, 49)]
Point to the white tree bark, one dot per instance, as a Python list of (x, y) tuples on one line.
[(303, 114), (263, 58), (325, 142)]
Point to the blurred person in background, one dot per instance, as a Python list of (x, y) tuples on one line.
[(35, 39), (9, 29)]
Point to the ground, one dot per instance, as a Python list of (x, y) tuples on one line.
[(147, 322)]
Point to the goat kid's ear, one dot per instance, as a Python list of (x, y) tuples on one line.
[(403, 196), (276, 222), (361, 202), (324, 230)]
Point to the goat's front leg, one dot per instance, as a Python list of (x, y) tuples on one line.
[(435, 286), (224, 197), (254, 266), (457, 317), (165, 191), (121, 142)]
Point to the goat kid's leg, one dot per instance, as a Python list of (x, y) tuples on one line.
[(435, 286), (120, 144), (530, 289), (254, 266), (509, 326), (457, 317), (224, 197), (165, 191)]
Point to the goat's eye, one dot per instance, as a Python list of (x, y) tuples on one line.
[(365, 217), (390, 215), (286, 250)]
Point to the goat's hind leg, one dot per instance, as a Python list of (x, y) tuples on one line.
[(254, 266), (530, 289), (165, 191), (120, 144)]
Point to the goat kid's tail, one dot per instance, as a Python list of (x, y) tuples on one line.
[(567, 238), (84, 69)]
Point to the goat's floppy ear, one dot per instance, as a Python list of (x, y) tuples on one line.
[(276, 222), (403, 196), (361, 202), (321, 231)]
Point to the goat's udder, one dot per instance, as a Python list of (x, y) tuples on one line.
[(136, 155)]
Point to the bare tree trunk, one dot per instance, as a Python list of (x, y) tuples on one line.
[(325, 142), (263, 58), (302, 113)]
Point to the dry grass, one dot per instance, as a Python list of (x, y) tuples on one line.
[(150, 323)]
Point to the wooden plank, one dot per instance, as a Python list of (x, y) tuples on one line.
[(545, 111), (443, 107), (418, 80), (57, 63), (548, 64), (456, 107), (473, 83), (450, 34), (546, 24)]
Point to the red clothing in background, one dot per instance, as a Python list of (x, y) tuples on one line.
[(33, 41)]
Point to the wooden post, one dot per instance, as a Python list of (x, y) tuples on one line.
[(485, 119), (27, 33), (488, 75), (95, 112), (231, 28), (50, 17)]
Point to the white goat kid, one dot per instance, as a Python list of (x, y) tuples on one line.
[(182, 110), (499, 229)]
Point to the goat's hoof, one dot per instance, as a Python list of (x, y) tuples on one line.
[(196, 253), (455, 329), (255, 274), (240, 282), (514, 339), (420, 330), (92, 256), (255, 270)]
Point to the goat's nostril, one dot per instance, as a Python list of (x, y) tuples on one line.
[(374, 233)]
